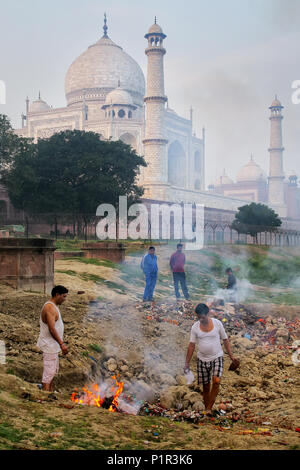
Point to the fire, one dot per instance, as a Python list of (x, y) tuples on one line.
[(97, 395), (119, 390)]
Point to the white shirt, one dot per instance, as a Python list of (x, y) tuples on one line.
[(46, 342), (209, 344)]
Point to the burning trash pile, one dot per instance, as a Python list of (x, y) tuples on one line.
[(150, 384), (110, 395), (104, 396)]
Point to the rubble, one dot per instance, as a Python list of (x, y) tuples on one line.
[(246, 329)]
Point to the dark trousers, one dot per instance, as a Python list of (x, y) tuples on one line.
[(180, 277)]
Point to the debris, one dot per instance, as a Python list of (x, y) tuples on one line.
[(189, 376), (52, 396), (26, 395), (56, 434), (68, 407)]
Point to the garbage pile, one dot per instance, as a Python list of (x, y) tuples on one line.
[(225, 416), (176, 314), (244, 327)]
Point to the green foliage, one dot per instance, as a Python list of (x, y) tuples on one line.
[(11, 434), (96, 348), (94, 261), (68, 245), (8, 142), (264, 269), (255, 218), (70, 174)]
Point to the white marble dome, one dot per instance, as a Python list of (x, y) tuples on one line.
[(98, 70), (39, 106), (251, 172), (119, 97)]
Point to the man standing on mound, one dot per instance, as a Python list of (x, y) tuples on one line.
[(177, 262), (51, 335), (207, 333), (149, 266)]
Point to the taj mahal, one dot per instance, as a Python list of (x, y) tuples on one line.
[(106, 92)]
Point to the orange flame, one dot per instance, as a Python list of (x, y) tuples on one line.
[(93, 397), (114, 404)]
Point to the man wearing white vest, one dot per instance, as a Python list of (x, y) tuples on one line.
[(51, 335)]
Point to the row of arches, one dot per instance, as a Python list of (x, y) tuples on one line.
[(129, 139), (121, 114), (177, 166)]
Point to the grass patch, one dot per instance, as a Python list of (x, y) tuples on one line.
[(68, 245), (68, 272), (96, 348), (94, 261), (10, 434), (95, 278)]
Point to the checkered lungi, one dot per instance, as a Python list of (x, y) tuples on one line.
[(207, 369)]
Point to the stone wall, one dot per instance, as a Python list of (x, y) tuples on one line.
[(105, 250), (27, 264)]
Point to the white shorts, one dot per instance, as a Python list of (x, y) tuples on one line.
[(51, 367)]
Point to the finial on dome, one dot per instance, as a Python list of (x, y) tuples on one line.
[(39, 95), (119, 83), (105, 27), (155, 19), (251, 158)]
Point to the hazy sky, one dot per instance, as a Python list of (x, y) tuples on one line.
[(226, 58)]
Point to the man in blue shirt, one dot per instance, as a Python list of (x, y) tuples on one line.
[(149, 266)]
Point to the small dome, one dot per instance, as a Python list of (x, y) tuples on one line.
[(251, 172), (156, 29), (276, 103), (223, 179), (119, 97), (39, 106)]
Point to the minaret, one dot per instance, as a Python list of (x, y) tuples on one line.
[(155, 175), (27, 106), (276, 175)]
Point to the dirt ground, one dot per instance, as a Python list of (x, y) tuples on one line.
[(265, 391)]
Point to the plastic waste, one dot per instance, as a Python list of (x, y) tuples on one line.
[(189, 376)]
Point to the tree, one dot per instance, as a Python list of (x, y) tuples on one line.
[(255, 218), (70, 174), (10, 143)]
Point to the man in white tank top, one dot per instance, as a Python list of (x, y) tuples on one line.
[(207, 333), (51, 335)]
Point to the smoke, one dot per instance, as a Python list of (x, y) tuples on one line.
[(244, 289)]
